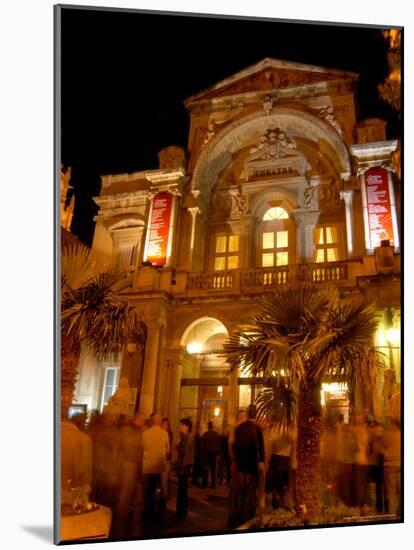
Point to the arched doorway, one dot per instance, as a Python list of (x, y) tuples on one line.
[(206, 392)]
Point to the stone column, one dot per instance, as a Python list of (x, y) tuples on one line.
[(140, 245), (347, 197), (174, 366), (194, 211), (306, 221), (233, 400), (147, 393)]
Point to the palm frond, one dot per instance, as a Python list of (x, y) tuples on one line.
[(276, 405)]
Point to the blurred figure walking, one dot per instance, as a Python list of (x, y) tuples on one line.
[(156, 448), (211, 446), (391, 448), (185, 450), (128, 509)]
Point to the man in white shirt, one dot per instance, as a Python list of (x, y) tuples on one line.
[(155, 448)]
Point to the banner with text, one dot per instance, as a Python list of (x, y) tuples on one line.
[(379, 206), (159, 228)]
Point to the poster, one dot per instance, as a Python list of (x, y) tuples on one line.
[(379, 206), (159, 229)]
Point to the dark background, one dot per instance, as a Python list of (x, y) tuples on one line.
[(125, 76)]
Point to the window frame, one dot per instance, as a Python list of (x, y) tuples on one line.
[(276, 226), (339, 244), (227, 253)]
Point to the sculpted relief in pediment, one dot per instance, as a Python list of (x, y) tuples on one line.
[(276, 154)]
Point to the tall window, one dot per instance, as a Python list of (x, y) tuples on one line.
[(227, 252), (110, 384), (274, 238), (326, 244)]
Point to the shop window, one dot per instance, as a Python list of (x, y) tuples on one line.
[(110, 384), (226, 252), (326, 244)]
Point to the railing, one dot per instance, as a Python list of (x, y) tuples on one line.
[(323, 273), (216, 280), (265, 278)]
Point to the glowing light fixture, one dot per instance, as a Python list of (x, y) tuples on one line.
[(220, 390), (194, 347), (216, 411), (393, 336)]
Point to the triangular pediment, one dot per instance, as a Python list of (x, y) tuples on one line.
[(271, 74)]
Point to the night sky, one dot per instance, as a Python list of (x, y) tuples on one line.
[(125, 77)]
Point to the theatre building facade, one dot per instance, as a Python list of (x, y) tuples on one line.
[(281, 185)]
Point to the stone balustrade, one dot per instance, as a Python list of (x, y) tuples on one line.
[(255, 280)]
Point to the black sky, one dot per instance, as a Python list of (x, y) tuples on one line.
[(125, 76)]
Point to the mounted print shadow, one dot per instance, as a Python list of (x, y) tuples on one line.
[(229, 282)]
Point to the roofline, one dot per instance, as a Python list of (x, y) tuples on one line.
[(270, 62)]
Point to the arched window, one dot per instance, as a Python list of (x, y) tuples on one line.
[(276, 237)]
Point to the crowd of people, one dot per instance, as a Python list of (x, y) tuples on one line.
[(361, 462), (130, 465)]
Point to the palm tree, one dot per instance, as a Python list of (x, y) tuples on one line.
[(93, 312), (301, 337)]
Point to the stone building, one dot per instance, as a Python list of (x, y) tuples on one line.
[(280, 185)]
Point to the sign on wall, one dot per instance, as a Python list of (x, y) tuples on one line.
[(159, 228), (379, 216)]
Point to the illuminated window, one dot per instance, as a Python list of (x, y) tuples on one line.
[(275, 237), (326, 244), (226, 252), (110, 384), (275, 248)]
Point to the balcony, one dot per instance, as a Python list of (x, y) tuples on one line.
[(267, 278), (181, 284)]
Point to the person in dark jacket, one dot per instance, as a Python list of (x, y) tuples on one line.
[(211, 445), (198, 456), (248, 450), (185, 450)]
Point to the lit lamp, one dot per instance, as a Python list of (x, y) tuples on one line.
[(216, 411), (220, 390), (194, 347), (393, 336)]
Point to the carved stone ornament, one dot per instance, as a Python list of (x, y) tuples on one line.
[(229, 204), (328, 114), (209, 132), (274, 144), (321, 194), (268, 104), (172, 157)]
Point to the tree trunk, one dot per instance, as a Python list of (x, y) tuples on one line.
[(308, 476), (68, 375)]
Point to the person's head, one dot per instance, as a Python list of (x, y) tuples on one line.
[(185, 426), (165, 424), (210, 425), (241, 416), (251, 412), (139, 420), (155, 419)]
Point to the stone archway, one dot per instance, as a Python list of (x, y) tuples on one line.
[(218, 152)]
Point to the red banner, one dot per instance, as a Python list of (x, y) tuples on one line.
[(379, 206), (159, 228)]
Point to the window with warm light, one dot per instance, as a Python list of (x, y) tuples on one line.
[(326, 244), (274, 237), (226, 252)]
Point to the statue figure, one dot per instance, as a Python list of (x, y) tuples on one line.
[(328, 114), (210, 132), (119, 403), (268, 104)]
